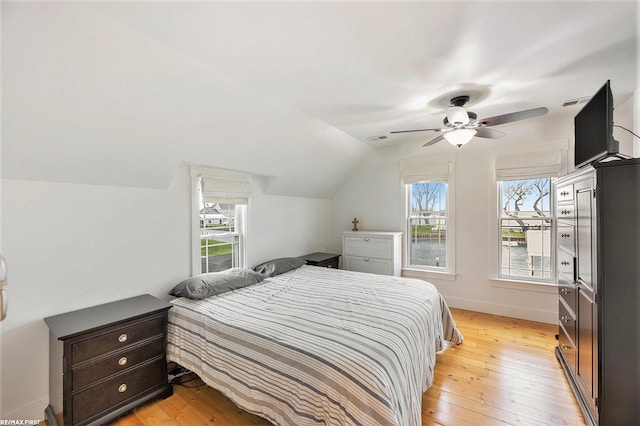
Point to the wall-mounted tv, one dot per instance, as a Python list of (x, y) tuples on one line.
[(594, 129)]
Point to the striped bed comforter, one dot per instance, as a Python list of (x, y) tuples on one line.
[(317, 346)]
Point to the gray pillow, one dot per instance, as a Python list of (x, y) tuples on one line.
[(214, 283), (279, 266)]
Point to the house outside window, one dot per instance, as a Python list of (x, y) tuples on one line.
[(427, 225), (219, 204), (526, 226), (219, 237)]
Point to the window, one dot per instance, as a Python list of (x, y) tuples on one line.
[(427, 225), (219, 236), (219, 204), (526, 226), (429, 229)]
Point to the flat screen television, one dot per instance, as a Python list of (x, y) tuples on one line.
[(594, 129)]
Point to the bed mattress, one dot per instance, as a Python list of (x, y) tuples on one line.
[(317, 346)]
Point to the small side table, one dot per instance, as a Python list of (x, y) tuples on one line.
[(107, 360), (326, 260)]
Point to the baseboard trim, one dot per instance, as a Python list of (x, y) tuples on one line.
[(50, 416), (539, 315)]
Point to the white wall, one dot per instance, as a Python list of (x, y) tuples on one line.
[(623, 115), (375, 195), (282, 226), (71, 246), (636, 118)]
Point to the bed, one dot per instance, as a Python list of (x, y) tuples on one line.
[(317, 346)]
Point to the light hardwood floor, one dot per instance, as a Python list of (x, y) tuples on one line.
[(505, 373)]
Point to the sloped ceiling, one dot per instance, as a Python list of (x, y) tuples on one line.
[(122, 93)]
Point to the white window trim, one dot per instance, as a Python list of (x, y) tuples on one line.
[(511, 281), (448, 273), (241, 212), (517, 159), (537, 286)]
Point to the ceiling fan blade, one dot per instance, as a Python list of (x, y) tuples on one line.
[(434, 140), (514, 116), (485, 132), (416, 130)]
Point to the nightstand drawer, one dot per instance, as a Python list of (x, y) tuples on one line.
[(94, 400), (121, 337), (324, 260), (92, 372)]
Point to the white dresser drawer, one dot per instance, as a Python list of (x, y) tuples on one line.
[(380, 248), (374, 252), (368, 264)]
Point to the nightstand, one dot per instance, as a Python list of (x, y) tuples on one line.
[(106, 360), (327, 260)]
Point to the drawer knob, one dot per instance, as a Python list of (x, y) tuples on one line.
[(122, 338), (366, 259), (123, 361), (565, 193), (565, 347), (565, 290), (565, 235), (366, 239), (122, 388), (565, 263), (564, 318)]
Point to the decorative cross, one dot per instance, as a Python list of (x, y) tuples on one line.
[(355, 222)]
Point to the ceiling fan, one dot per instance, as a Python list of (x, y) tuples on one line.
[(460, 125)]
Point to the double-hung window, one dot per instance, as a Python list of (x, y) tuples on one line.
[(429, 226), (526, 220), (219, 202), (526, 227)]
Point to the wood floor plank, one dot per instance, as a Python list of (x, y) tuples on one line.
[(505, 373)]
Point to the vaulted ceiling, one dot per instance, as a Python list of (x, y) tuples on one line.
[(122, 93)]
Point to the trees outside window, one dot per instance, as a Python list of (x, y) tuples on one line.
[(526, 224), (427, 225)]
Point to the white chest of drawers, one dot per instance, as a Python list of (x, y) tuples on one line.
[(374, 252)]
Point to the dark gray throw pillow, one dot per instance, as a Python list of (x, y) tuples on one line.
[(213, 283), (279, 266)]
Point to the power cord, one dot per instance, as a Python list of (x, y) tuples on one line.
[(179, 375), (624, 128)]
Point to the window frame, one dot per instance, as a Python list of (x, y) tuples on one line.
[(240, 220), (500, 217), (449, 268)]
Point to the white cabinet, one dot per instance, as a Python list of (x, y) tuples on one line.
[(374, 252)]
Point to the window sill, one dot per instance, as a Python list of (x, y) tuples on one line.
[(524, 285), (426, 274)]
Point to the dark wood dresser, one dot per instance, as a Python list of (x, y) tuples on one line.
[(326, 260), (598, 248), (107, 360)]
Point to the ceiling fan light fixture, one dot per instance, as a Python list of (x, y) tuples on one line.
[(457, 116), (460, 137)]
